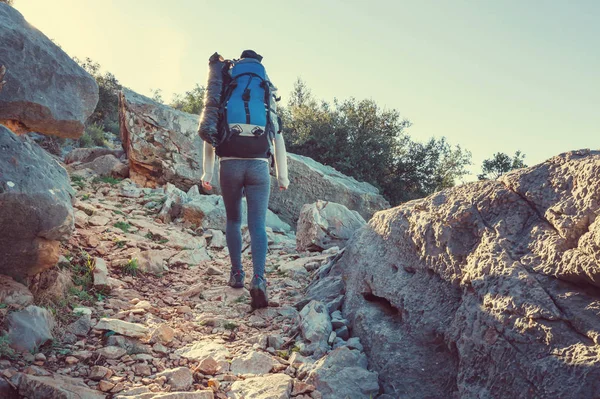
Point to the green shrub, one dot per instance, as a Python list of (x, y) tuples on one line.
[(112, 127), (5, 350), (123, 226), (230, 326), (131, 267), (95, 133)]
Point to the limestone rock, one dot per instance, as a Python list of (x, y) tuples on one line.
[(343, 374), (100, 274), (35, 205), (54, 97), (106, 166), (273, 386), (324, 224), (13, 293), (180, 378), (29, 328), (253, 363), (85, 155), (316, 323), (162, 144), (54, 387), (486, 289), (122, 327)]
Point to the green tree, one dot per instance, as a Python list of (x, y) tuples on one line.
[(106, 113), (501, 163), (157, 96), (191, 101), (369, 143)]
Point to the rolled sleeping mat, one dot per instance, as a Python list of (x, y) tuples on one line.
[(209, 119)]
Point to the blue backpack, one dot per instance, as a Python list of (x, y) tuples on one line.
[(248, 120)]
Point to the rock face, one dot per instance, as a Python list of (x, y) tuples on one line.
[(311, 181), (35, 207), (162, 144), (485, 290), (54, 97), (324, 225)]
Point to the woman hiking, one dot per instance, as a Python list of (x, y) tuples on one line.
[(254, 136)]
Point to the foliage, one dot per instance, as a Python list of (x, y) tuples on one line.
[(362, 140), (123, 226), (107, 109), (93, 135), (157, 96), (78, 181), (230, 326), (191, 102), (5, 350), (500, 164), (131, 267)]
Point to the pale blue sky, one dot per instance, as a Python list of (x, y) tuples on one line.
[(489, 75)]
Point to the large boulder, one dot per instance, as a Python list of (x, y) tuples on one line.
[(488, 289), (326, 224), (30, 328), (162, 144), (36, 212), (45, 91), (311, 181)]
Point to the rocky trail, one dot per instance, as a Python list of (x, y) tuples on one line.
[(153, 317)]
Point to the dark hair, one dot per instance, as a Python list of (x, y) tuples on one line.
[(251, 54)]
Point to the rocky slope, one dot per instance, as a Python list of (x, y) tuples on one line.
[(487, 290), (149, 314)]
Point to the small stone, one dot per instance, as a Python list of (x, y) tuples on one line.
[(142, 369), (332, 337), (180, 378), (40, 357), (253, 363), (301, 387), (97, 373), (213, 271), (354, 343), (71, 360), (105, 386), (208, 366), (163, 334), (343, 333), (112, 352), (143, 305)]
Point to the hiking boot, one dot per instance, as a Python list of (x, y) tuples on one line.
[(258, 293), (236, 279)]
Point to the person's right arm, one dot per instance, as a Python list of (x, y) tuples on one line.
[(208, 165)]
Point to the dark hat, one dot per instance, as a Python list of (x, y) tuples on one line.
[(251, 54)]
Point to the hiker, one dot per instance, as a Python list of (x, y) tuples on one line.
[(252, 135)]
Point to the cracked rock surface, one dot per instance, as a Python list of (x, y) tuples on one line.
[(485, 290)]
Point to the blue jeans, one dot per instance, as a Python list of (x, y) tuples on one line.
[(252, 177)]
